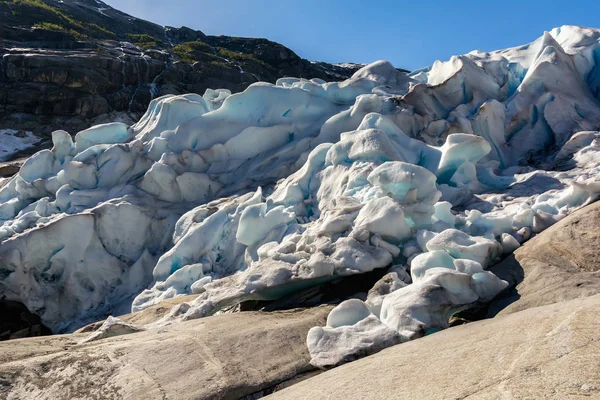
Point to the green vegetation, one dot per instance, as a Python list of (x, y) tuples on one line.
[(220, 64), (100, 32), (23, 5), (58, 20), (143, 40), (189, 51), (243, 40), (141, 37), (50, 26), (92, 30), (101, 51), (55, 27), (194, 51), (232, 55)]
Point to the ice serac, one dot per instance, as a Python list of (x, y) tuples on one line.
[(429, 177)]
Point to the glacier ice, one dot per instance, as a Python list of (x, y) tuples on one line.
[(347, 313), (395, 279), (430, 177), (333, 345), (428, 303), (461, 245)]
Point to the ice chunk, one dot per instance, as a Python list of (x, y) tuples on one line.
[(197, 187), (577, 142), (383, 216), (62, 144), (198, 286), (329, 347), (467, 266), (114, 132), (423, 237), (347, 313), (257, 221), (494, 223), (458, 149), (110, 328), (427, 304), (386, 285), (215, 98), (460, 245), (487, 285), (377, 241), (405, 182), (357, 257), (443, 213), (410, 247), (168, 112), (412, 186), (425, 261), (509, 243), (161, 181)]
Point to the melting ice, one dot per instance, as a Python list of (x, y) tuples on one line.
[(433, 176)]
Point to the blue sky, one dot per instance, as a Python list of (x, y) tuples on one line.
[(409, 34)]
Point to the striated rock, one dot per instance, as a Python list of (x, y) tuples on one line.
[(544, 344), (148, 316), (223, 357), (549, 352), (562, 263)]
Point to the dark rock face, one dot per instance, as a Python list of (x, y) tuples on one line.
[(17, 322), (67, 62)]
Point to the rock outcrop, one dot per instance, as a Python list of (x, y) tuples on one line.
[(562, 263), (543, 343), (223, 357), (549, 352), (74, 63)]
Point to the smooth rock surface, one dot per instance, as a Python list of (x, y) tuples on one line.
[(144, 317), (550, 352), (223, 357), (562, 263)]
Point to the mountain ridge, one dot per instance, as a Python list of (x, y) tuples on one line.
[(71, 64)]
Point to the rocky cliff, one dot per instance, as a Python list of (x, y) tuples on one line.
[(73, 63)]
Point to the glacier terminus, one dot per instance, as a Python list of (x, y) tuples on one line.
[(431, 177)]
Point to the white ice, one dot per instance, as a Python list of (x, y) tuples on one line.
[(431, 177), (351, 332), (11, 142)]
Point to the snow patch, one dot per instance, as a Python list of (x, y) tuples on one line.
[(13, 141)]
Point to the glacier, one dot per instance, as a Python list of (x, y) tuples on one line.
[(430, 177)]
